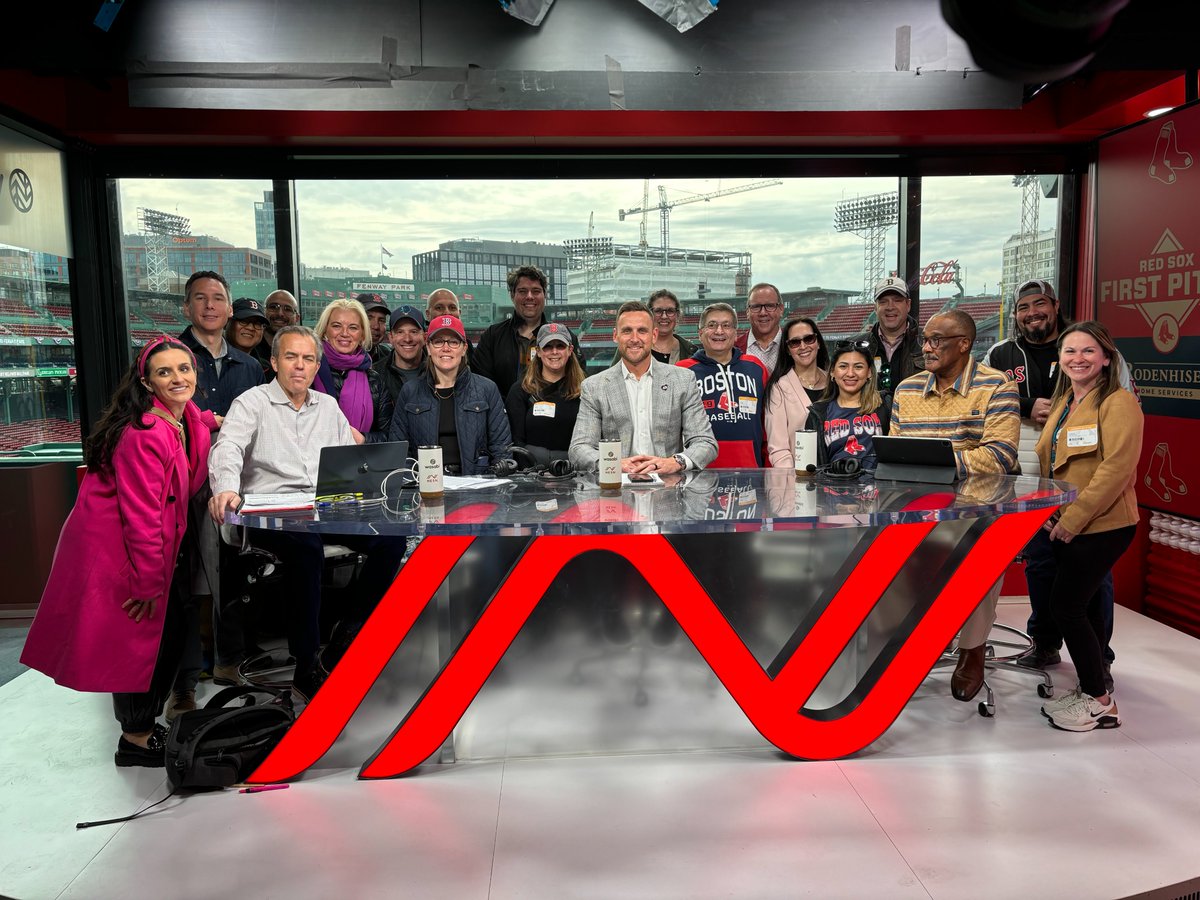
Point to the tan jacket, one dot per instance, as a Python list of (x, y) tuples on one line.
[(1102, 464), (787, 413)]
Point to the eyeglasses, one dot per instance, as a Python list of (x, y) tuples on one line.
[(861, 344), (451, 342), (935, 340), (720, 326), (665, 313), (763, 307), (796, 342), (281, 307)]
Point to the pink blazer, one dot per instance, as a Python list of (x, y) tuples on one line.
[(120, 540), (787, 413)]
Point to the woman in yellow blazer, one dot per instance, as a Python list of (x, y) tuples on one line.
[(1092, 439)]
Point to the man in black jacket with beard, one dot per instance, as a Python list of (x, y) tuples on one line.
[(895, 342), (505, 348)]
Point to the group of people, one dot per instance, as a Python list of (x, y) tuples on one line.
[(196, 424)]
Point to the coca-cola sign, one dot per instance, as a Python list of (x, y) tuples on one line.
[(940, 272)]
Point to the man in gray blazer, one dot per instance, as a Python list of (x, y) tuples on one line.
[(654, 410)]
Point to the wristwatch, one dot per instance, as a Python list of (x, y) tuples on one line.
[(682, 460)]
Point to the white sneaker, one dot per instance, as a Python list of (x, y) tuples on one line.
[(1086, 713), (1061, 701)]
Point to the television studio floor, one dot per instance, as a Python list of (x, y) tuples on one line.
[(946, 805)]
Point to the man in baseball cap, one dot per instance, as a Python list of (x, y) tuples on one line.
[(246, 327), (405, 358), (895, 345), (377, 318)]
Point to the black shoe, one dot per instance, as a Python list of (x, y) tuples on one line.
[(307, 683), (344, 633), (1039, 657), (153, 756)]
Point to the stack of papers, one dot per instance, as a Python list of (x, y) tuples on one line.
[(260, 503)]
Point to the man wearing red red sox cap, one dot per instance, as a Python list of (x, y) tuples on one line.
[(450, 407)]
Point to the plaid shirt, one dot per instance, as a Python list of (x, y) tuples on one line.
[(980, 413)]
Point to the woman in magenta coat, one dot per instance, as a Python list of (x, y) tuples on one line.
[(110, 618)]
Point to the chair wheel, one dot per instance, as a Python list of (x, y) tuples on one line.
[(1044, 692), (986, 711)]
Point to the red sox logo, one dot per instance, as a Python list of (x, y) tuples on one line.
[(772, 701)]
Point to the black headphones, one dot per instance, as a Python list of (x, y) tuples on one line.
[(524, 462), (846, 469)]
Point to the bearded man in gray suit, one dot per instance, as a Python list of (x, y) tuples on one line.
[(653, 409)]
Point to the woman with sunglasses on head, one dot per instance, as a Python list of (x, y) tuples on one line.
[(451, 407), (1092, 440), (345, 373), (111, 616), (799, 379), (543, 405), (852, 410)]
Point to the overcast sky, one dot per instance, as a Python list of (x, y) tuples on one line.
[(788, 228)]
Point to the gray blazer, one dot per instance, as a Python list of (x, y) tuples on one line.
[(679, 423)]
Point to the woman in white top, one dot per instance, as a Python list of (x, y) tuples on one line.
[(799, 378)]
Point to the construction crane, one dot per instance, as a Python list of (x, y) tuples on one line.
[(665, 206)]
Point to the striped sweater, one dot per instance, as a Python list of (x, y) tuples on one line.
[(980, 413)]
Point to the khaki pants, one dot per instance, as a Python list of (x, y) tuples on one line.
[(975, 632)]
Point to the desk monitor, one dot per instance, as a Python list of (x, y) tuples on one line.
[(361, 468), (915, 459)]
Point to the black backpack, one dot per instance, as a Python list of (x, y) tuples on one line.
[(219, 745)]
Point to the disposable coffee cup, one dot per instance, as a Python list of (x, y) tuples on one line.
[(429, 472), (610, 464), (805, 452)]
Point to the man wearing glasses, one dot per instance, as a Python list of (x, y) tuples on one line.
[(977, 408), (731, 388), (764, 308), (654, 410), (895, 342), (282, 310)]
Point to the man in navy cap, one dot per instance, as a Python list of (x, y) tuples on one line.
[(377, 318), (405, 358)]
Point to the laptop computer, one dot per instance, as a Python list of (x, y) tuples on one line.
[(915, 459), (356, 472)]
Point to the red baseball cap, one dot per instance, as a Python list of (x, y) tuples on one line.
[(446, 323)]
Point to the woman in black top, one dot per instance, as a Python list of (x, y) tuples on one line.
[(542, 406)]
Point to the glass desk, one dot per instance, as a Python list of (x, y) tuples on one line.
[(713, 611)]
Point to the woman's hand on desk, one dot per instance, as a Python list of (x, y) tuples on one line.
[(220, 503)]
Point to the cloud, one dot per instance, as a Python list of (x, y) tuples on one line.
[(787, 228)]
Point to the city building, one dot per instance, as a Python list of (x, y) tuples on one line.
[(601, 272), (264, 222), (476, 261), (188, 253)]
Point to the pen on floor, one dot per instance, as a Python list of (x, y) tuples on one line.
[(259, 788)]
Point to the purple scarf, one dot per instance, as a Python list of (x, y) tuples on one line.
[(355, 397)]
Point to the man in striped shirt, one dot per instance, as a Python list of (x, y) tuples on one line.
[(978, 409)]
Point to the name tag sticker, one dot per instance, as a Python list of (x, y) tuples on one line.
[(544, 409), (1082, 437), (546, 505), (748, 405)]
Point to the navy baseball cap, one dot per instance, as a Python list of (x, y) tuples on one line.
[(407, 312), (248, 308)]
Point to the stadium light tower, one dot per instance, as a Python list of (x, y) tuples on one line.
[(156, 226), (870, 218)]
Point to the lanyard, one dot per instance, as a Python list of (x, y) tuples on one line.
[(1054, 437)]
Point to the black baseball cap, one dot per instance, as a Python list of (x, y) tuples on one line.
[(248, 308)]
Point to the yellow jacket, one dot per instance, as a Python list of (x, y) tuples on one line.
[(1097, 452)]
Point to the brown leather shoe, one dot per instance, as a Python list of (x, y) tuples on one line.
[(968, 674)]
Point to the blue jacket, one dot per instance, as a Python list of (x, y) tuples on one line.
[(479, 418), (239, 373)]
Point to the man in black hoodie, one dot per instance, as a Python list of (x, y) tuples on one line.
[(895, 343)]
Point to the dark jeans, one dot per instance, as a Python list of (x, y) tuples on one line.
[(137, 712), (1081, 567), (1040, 569), (229, 645), (302, 560)]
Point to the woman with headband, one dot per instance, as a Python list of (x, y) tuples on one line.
[(110, 617)]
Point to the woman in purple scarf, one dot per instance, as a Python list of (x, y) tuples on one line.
[(346, 373)]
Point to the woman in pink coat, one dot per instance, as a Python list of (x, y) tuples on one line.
[(110, 618)]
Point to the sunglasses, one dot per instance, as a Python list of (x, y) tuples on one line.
[(861, 344), (797, 342)]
